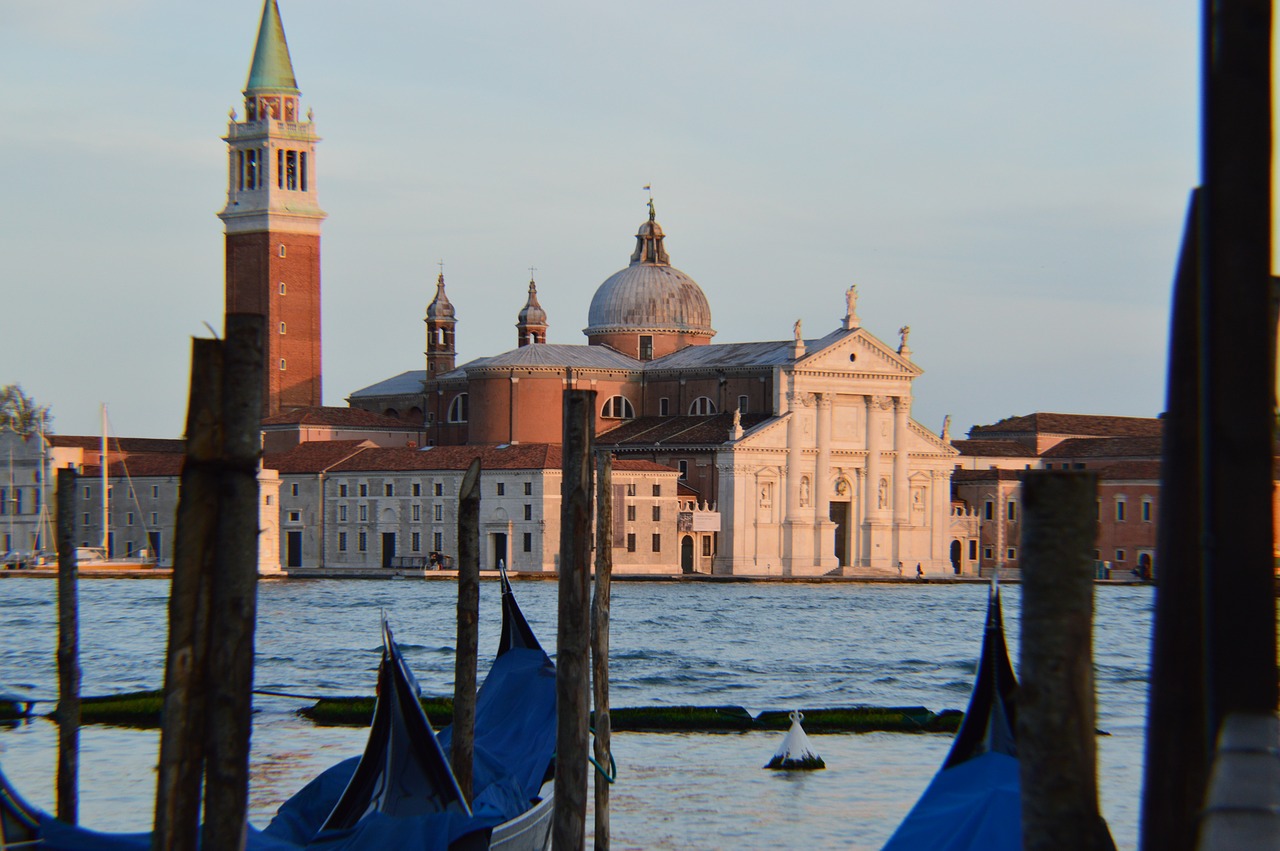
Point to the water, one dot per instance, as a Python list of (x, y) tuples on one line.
[(757, 646)]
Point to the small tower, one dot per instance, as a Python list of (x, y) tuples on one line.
[(532, 324), (272, 221), (440, 321)]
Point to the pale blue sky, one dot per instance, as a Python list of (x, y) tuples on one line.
[(1007, 178)]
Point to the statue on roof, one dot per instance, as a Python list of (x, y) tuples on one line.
[(795, 329), (946, 428), (851, 299), (904, 332)]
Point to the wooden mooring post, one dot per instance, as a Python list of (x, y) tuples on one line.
[(462, 749), (1057, 746), (68, 711), (600, 645), (574, 628), (181, 769)]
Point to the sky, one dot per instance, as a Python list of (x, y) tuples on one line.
[(1009, 179)]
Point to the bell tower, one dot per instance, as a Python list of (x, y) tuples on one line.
[(272, 221)]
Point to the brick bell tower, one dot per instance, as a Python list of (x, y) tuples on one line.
[(272, 221)]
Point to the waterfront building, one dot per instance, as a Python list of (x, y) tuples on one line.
[(25, 519), (801, 451), (353, 504)]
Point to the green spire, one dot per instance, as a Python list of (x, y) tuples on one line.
[(272, 69)]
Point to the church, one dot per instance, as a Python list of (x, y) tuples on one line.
[(796, 457)]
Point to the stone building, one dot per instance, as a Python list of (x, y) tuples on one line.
[(25, 492), (803, 447)]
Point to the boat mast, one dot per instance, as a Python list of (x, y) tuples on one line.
[(11, 498), (106, 499)]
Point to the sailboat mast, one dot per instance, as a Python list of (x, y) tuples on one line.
[(106, 499), (11, 498)]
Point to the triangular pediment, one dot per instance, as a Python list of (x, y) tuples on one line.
[(857, 351)]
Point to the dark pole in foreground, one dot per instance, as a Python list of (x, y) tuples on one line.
[(1057, 748), (600, 641), (68, 651), (233, 610), (1176, 769), (573, 632), (1238, 382), (464, 676), (181, 769)]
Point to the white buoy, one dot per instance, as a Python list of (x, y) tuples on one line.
[(796, 754)]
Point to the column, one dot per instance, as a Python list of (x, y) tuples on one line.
[(873, 510), (823, 529)]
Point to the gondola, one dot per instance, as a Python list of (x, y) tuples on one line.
[(975, 801), (401, 793)]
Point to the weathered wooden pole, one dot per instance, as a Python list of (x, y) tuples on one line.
[(1057, 748), (1237, 371), (464, 677), (234, 602), (1176, 769), (574, 629), (600, 642), (181, 769), (68, 712)]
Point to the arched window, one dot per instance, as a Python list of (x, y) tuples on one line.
[(618, 408), (702, 406), (458, 409)]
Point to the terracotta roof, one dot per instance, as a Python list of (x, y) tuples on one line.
[(140, 466), (118, 444), (636, 465), (1079, 425), (1129, 470), (994, 448), (675, 431), (524, 456), (314, 456), (330, 416), (999, 474), (1106, 447)]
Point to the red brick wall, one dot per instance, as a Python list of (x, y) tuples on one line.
[(254, 272)]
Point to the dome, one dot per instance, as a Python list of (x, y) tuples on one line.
[(532, 313), (650, 294), (440, 308)]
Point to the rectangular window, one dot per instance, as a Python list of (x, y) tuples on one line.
[(438, 512), (364, 490), (528, 542), (973, 550), (684, 469), (129, 519), (364, 513), (342, 542), (251, 169), (342, 514), (657, 543), (664, 407), (988, 510), (706, 545), (417, 512), (1012, 511), (342, 490), (293, 489), (86, 492), (631, 489), (417, 488), (302, 170), (155, 519), (1146, 511), (1120, 511), (631, 542), (646, 347), (1011, 554), (439, 488), (280, 168), (631, 513), (657, 490), (128, 549), (389, 489), (295, 516), (437, 541), (1119, 555), (155, 491), (502, 489), (240, 171), (988, 553), (528, 488), (363, 541), (742, 404), (657, 513), (282, 288), (415, 541), (86, 518), (291, 170), (528, 512)]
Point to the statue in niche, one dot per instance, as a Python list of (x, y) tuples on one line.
[(883, 497), (765, 501), (842, 487), (804, 491)]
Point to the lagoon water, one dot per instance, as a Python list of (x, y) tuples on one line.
[(760, 646)]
